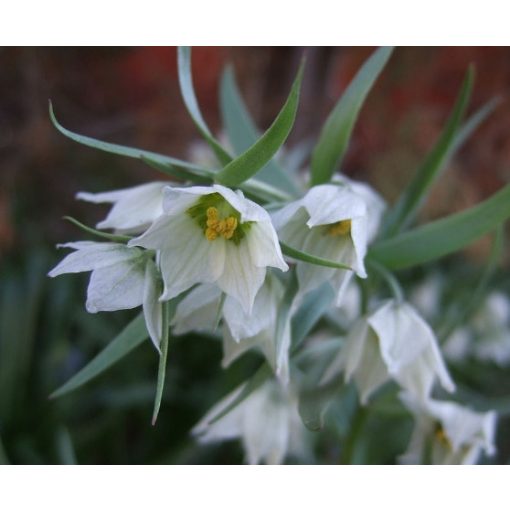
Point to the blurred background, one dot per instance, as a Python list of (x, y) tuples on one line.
[(131, 96)]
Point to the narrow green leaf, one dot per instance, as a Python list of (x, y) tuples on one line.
[(314, 306), (283, 313), (443, 236), (129, 338), (477, 294), (468, 128), (411, 200), (243, 133), (197, 177), (190, 100), (65, 447), (311, 259), (336, 133), (260, 153), (162, 361), (116, 238), (256, 380), (122, 150)]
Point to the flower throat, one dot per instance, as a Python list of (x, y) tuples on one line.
[(218, 219)]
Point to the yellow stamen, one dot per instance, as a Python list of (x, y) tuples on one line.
[(340, 228), (215, 227), (211, 234), (442, 437)]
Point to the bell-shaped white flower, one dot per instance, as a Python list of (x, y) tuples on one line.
[(267, 422), (331, 221), (241, 331), (134, 209), (448, 433), (213, 235), (392, 343), (486, 337), (122, 278)]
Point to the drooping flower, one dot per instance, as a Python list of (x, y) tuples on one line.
[(267, 422), (392, 343), (241, 331), (213, 235), (486, 337), (122, 278), (134, 209), (332, 221), (448, 433)]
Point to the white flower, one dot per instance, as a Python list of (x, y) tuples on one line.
[(241, 331), (448, 433), (122, 278), (213, 235), (392, 343), (492, 330), (267, 422), (134, 208), (486, 336), (333, 222)]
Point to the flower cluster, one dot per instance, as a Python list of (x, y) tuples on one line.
[(288, 274)]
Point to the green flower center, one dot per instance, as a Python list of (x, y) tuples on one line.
[(218, 219)]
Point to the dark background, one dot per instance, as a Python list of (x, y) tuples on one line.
[(131, 96)]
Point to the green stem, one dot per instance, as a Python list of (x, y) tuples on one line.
[(351, 442), (162, 362), (390, 279)]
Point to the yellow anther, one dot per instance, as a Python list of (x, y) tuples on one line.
[(215, 227), (340, 228), (442, 437), (212, 213), (211, 234)]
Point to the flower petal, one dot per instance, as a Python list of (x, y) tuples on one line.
[(329, 203), (152, 307), (91, 255), (116, 287), (186, 256), (135, 208), (197, 311), (241, 279), (264, 246)]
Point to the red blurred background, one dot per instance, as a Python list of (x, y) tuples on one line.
[(131, 96)]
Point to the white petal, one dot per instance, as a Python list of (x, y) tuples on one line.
[(264, 246), (318, 243), (116, 287), (402, 333), (135, 208), (228, 427), (329, 203), (249, 210), (91, 255), (186, 256), (286, 214), (198, 310), (374, 202), (152, 307), (243, 325), (241, 279)]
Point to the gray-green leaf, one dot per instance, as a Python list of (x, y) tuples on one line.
[(444, 236), (335, 135), (190, 100), (243, 133), (260, 153), (129, 338)]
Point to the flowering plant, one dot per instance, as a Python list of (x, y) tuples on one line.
[(299, 266)]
